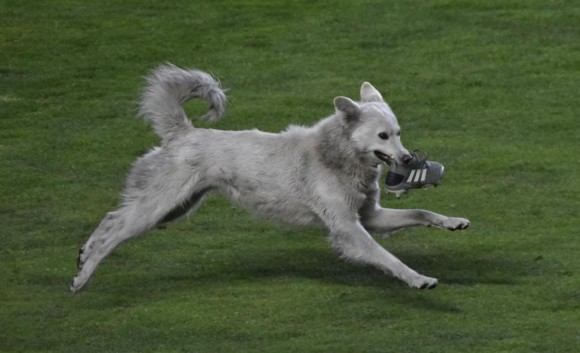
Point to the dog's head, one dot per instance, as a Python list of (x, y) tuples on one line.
[(373, 125)]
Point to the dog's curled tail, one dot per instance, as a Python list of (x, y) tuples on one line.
[(168, 88)]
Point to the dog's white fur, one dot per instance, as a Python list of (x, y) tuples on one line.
[(325, 174)]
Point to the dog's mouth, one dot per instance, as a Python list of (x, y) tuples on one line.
[(383, 157)]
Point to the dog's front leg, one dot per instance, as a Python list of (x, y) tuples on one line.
[(386, 220), (356, 244)]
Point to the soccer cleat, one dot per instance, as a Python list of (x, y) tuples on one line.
[(418, 173)]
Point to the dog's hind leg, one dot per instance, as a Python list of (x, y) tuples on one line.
[(135, 217)]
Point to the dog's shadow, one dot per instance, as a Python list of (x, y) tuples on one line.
[(322, 264)]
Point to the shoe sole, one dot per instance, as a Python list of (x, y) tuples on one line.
[(398, 193)]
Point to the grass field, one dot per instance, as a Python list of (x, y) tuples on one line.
[(488, 88)]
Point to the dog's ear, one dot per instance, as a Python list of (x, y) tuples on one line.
[(347, 107), (369, 94)]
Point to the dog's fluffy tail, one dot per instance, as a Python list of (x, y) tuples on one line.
[(168, 88)]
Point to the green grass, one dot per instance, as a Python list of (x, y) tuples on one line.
[(490, 89)]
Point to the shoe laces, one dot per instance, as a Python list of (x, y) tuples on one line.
[(419, 158)]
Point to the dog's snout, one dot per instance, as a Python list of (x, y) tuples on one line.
[(406, 159)]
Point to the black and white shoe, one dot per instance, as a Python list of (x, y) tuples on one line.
[(418, 173)]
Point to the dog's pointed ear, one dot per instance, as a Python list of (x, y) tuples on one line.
[(347, 107), (369, 94)]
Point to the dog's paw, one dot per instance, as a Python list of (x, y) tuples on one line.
[(78, 283), (455, 223), (75, 285), (423, 282)]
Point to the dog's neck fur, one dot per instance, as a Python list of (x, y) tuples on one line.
[(338, 152)]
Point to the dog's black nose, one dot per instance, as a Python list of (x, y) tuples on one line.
[(406, 159)]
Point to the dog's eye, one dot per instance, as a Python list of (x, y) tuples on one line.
[(398, 133), (383, 136)]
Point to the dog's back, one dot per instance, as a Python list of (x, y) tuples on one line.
[(264, 172)]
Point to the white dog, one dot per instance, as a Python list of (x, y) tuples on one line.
[(325, 174)]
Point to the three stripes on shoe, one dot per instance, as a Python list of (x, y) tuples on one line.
[(417, 175)]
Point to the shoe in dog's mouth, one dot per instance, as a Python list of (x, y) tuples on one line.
[(383, 157)]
